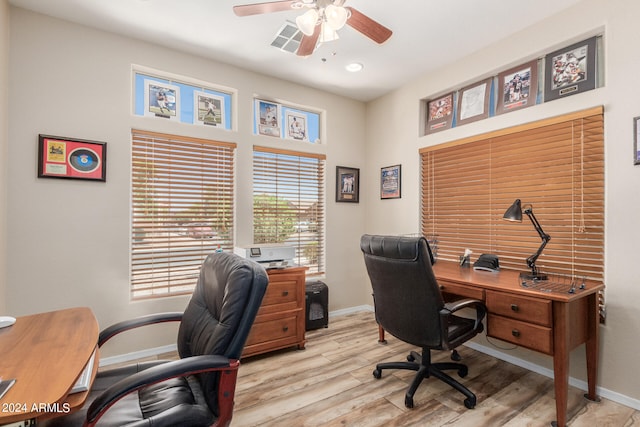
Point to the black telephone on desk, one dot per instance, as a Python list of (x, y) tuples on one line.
[(487, 262)]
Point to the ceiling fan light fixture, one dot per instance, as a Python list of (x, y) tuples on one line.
[(307, 22), (327, 34), (336, 16)]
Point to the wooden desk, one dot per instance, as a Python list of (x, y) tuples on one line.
[(553, 323), (45, 353)]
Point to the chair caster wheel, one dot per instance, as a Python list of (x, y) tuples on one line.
[(463, 371), (408, 402), (470, 402), (455, 356), (377, 373), (410, 358)]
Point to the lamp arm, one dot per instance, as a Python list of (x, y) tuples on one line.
[(531, 261)]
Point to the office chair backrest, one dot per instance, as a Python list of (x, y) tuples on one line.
[(221, 311), (406, 295)]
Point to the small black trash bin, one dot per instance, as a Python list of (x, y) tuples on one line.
[(317, 298)]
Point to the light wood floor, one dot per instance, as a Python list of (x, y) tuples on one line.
[(330, 383)]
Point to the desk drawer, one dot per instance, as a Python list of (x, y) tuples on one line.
[(280, 328), (280, 296), (523, 334), (527, 309), (461, 290)]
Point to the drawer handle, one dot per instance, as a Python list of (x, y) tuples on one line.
[(285, 328), (515, 307), (285, 293), (515, 333)]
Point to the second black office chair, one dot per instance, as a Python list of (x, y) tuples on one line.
[(197, 390), (409, 305)]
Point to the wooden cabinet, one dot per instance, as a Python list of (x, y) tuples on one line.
[(280, 322)]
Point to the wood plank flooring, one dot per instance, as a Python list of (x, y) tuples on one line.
[(330, 383)]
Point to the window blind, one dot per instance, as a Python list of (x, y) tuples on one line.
[(182, 209), (555, 165), (289, 203)]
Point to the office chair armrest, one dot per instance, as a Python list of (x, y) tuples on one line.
[(178, 368), (126, 325), (480, 308)]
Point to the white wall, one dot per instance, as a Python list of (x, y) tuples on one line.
[(4, 132), (69, 239), (392, 137)]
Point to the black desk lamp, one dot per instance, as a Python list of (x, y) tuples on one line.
[(514, 213)]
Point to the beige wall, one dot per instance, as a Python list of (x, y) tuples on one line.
[(69, 239), (4, 104), (392, 137)]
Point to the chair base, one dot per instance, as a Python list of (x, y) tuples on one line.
[(425, 369)]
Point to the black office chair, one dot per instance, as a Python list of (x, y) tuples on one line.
[(197, 390), (409, 305)]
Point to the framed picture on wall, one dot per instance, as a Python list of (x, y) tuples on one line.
[(268, 118), (636, 136), (439, 113), (71, 158), (161, 100), (391, 182), (347, 184), (474, 102), (570, 70), (209, 109), (297, 126), (518, 87)]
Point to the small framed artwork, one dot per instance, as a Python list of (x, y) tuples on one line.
[(570, 70), (268, 118), (297, 126), (161, 100), (71, 158), (636, 136), (439, 114), (518, 87), (474, 102), (209, 109), (391, 182), (347, 184)]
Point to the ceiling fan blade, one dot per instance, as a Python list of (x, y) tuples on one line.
[(308, 43), (259, 8), (367, 26)]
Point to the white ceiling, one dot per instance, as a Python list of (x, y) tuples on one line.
[(427, 34)]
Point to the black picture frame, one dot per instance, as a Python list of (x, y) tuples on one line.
[(347, 184), (636, 136), (391, 182), (518, 87), (570, 70), (70, 158)]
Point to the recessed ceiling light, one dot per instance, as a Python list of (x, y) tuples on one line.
[(354, 67)]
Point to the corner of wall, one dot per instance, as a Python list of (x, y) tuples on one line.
[(4, 137)]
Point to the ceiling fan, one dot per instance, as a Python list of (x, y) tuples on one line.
[(321, 20)]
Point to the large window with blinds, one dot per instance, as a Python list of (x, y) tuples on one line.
[(181, 210), (288, 203), (555, 165)]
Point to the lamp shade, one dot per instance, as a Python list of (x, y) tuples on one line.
[(336, 16), (514, 213), (307, 22)]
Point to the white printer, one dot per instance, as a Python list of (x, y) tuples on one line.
[(269, 255)]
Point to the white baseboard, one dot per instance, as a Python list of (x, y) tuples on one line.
[(582, 385)]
